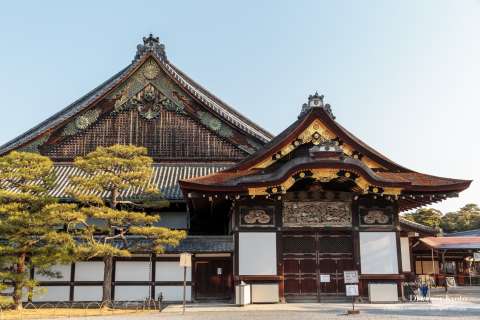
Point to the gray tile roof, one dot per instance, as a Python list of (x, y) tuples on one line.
[(207, 244), (467, 233), (165, 176), (416, 225), (192, 244)]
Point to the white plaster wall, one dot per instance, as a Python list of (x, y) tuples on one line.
[(173, 293), (405, 249), (170, 271), (51, 294), (64, 269), (132, 271), (265, 293), (257, 253), (378, 253), (89, 271), (132, 293), (87, 293), (383, 292)]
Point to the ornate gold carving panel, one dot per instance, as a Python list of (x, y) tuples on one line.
[(317, 214)]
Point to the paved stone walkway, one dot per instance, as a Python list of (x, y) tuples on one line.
[(438, 309), (459, 304)]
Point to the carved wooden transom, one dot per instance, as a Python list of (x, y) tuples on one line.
[(317, 214)]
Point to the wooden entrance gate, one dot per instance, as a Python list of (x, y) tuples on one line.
[(307, 256), (213, 278)]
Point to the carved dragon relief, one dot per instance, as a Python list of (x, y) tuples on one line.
[(317, 214)]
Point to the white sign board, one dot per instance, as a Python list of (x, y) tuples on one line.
[(351, 290), (324, 278), (186, 260), (476, 256), (350, 276)]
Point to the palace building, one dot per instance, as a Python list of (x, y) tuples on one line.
[(284, 214)]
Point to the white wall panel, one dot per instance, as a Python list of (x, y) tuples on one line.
[(378, 253), (51, 294), (405, 249), (382, 292), (170, 271), (89, 271), (132, 293), (265, 293), (64, 269), (87, 293), (257, 253), (132, 271), (173, 293)]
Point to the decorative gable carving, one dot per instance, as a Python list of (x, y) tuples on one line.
[(149, 109), (317, 214), (149, 102)]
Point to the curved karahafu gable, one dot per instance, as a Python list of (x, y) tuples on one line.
[(151, 103), (317, 148)]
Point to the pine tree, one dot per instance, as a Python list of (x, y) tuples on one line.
[(35, 230), (112, 229)]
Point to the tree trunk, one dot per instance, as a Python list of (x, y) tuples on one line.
[(114, 198), (107, 279), (108, 261), (18, 287)]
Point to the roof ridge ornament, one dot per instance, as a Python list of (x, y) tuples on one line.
[(151, 44), (316, 101)]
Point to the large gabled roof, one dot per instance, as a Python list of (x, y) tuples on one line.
[(337, 154), (327, 120), (150, 48)]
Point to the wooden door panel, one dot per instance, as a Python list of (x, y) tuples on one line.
[(292, 286), (307, 256), (308, 266), (308, 286), (209, 284), (345, 264), (327, 266), (328, 288), (291, 266)]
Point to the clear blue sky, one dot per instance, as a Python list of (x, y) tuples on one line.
[(404, 76)]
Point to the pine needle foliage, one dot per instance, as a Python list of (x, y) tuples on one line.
[(35, 230), (111, 229)]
